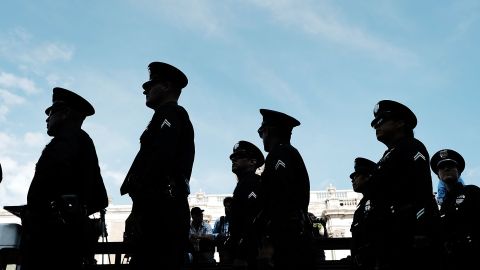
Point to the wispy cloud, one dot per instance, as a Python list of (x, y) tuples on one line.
[(207, 17), (18, 172), (320, 20), (20, 47), (9, 80), (7, 100)]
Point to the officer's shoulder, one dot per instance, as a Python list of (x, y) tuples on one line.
[(473, 189)]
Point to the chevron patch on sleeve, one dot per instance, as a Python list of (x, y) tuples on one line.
[(279, 163), (419, 155), (165, 123)]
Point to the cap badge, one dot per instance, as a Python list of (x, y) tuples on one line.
[(443, 154), (376, 109), (235, 147)]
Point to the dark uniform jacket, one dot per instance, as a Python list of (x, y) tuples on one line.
[(401, 190), (158, 183), (245, 207), (363, 227), (164, 163), (66, 188), (460, 220), (286, 187), (68, 166)]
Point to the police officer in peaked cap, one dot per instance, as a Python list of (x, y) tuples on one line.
[(247, 150), (243, 244), (364, 222), (285, 176), (66, 188), (447, 158), (459, 213), (158, 179), (401, 188)]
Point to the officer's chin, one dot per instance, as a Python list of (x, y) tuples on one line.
[(51, 132)]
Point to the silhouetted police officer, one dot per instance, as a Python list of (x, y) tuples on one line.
[(402, 193), (286, 187), (459, 213), (364, 222), (158, 180), (246, 159), (66, 188)]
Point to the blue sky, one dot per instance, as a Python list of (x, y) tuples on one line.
[(326, 63)]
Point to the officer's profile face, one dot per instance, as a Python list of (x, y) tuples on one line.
[(448, 173), (242, 163), (156, 93), (359, 180), (385, 129), (264, 132), (55, 120)]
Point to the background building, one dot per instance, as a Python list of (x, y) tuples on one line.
[(335, 206)]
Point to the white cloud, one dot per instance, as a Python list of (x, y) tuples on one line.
[(34, 139), (16, 180), (49, 52), (199, 15), (7, 100), (20, 47), (10, 99), (9, 80), (321, 20)]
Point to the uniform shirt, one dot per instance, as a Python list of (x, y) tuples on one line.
[(363, 224), (401, 186), (286, 187), (68, 166), (245, 207), (164, 163), (461, 224), (402, 193)]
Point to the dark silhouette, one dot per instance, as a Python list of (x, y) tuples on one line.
[(1, 173), (286, 187), (243, 242), (459, 211), (202, 244), (364, 223), (67, 187), (402, 193), (221, 231), (319, 231), (158, 179)]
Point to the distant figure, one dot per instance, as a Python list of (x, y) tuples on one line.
[(459, 213), (67, 187), (319, 232), (402, 192), (221, 232), (364, 222), (246, 159), (201, 239), (286, 187), (158, 179)]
